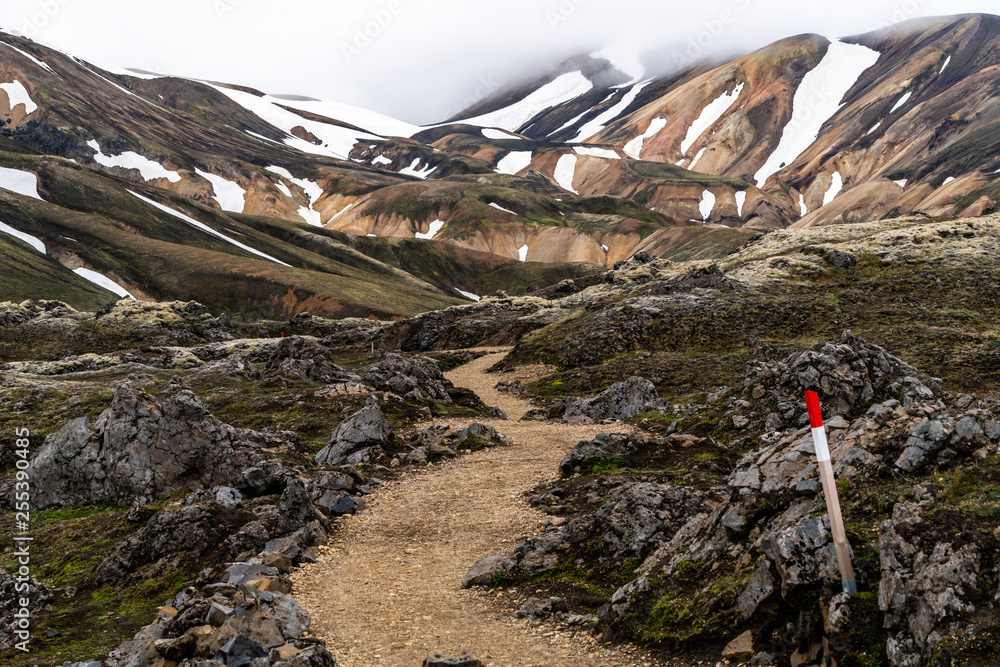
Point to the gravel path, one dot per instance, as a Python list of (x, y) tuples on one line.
[(386, 592)]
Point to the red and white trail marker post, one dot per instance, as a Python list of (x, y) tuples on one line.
[(830, 491)]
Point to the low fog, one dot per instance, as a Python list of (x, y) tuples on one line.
[(424, 60)]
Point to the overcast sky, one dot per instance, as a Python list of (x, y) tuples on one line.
[(424, 59)]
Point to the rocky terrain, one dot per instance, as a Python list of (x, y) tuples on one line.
[(660, 490)]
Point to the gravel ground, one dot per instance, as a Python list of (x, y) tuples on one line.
[(386, 591)]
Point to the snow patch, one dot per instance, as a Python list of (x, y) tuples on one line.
[(710, 115), (604, 248), (877, 125), (30, 57), (312, 190), (634, 147), (625, 58), (491, 133), (413, 170), (381, 159), (18, 94), (343, 211), (802, 205), (432, 232), (205, 228), (469, 295), (514, 162), (522, 253), (149, 169), (229, 194), (696, 158), (558, 91), (902, 100), (600, 122), (33, 241), (707, 204), (836, 185), (336, 141), (816, 101), (597, 152), (501, 208), (948, 180), (565, 171), (263, 138), (22, 182), (901, 183), (947, 61), (741, 199), (366, 119), (103, 281)]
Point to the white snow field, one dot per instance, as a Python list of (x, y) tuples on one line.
[(625, 58), (902, 100), (741, 200), (149, 169), (522, 253), (565, 171), (30, 57), (18, 94), (312, 190), (205, 228), (415, 170), (492, 133), (514, 162), (501, 208), (229, 194), (634, 147), (558, 91), (103, 281), (709, 116), (696, 158), (605, 153), (816, 101), (436, 227), (343, 211), (707, 204), (901, 183), (836, 185), (33, 241), (803, 209), (469, 295), (372, 121), (600, 122), (381, 159), (947, 61), (337, 141), (22, 182)]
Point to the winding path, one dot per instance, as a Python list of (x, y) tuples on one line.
[(386, 592)]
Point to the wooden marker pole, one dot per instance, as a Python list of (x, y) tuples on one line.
[(830, 491)]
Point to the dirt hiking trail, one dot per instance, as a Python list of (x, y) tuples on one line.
[(386, 591)]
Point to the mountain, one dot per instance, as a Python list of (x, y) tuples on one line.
[(119, 182)]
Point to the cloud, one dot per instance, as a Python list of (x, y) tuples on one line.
[(420, 60)]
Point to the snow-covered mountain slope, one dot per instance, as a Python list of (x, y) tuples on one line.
[(590, 162)]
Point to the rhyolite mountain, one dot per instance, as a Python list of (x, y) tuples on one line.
[(122, 182)]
